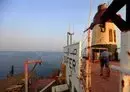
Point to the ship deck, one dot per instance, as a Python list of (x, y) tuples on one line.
[(100, 84)]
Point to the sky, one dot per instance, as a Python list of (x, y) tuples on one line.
[(41, 25)]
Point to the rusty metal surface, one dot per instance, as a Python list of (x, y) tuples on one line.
[(101, 84)]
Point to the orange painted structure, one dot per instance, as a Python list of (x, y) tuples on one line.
[(26, 71)]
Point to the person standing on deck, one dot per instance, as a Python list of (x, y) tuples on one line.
[(104, 61)]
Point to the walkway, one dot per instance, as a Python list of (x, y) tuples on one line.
[(99, 84)]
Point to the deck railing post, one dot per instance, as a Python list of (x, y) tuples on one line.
[(26, 76), (125, 61)]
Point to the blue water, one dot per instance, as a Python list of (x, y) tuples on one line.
[(51, 61)]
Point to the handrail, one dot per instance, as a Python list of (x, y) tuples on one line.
[(47, 86), (118, 68)]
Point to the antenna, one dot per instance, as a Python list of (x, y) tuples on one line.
[(69, 37)]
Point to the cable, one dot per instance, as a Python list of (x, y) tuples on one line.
[(84, 40), (89, 17)]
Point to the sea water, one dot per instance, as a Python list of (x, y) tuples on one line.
[(50, 62)]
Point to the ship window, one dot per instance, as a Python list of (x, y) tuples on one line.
[(110, 35), (114, 35)]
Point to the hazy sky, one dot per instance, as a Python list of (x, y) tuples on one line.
[(42, 24)]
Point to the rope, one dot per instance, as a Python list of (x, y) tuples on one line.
[(89, 17), (84, 40), (90, 12)]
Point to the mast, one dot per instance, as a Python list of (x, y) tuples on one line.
[(88, 60), (88, 65)]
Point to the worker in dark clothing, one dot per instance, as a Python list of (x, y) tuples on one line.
[(12, 70), (104, 61)]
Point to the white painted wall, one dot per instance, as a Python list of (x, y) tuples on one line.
[(125, 60), (73, 73), (60, 88)]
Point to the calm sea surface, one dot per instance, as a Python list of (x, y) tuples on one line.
[(51, 61)]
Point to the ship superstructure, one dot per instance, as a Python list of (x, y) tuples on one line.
[(77, 67), (75, 75), (103, 37)]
